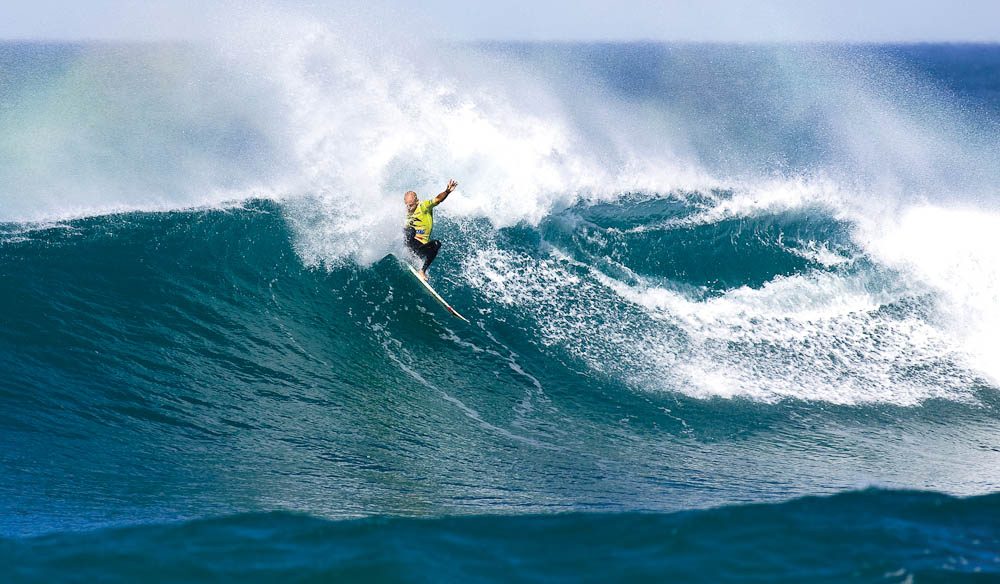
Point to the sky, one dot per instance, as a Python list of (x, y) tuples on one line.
[(535, 20)]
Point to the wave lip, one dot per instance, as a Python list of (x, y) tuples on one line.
[(871, 535)]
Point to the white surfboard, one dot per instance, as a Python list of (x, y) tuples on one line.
[(434, 293)]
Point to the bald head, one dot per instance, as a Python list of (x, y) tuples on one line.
[(411, 200)]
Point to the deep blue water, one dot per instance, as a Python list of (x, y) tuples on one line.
[(866, 536), (780, 372)]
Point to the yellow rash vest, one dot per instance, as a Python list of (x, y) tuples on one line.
[(421, 220)]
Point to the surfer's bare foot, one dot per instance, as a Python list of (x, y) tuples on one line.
[(423, 275)]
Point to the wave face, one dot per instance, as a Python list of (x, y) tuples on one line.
[(698, 276)]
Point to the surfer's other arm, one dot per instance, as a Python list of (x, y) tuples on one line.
[(447, 191)]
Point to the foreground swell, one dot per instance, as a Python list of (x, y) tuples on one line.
[(872, 536)]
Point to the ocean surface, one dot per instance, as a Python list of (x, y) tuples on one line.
[(735, 311)]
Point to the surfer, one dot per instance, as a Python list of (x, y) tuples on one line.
[(420, 223)]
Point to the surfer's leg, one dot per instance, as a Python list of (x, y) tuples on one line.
[(409, 238), (429, 251), (416, 248)]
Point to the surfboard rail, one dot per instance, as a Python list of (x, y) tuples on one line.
[(434, 293)]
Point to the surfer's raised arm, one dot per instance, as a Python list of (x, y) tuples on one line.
[(447, 191)]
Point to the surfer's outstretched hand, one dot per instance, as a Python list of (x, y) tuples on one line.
[(447, 191)]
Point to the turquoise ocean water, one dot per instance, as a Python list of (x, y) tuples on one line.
[(734, 312)]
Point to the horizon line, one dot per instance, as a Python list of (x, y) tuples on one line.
[(554, 41)]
